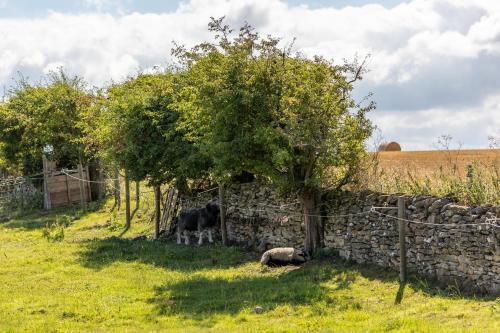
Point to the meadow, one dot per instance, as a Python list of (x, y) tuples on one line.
[(68, 271)]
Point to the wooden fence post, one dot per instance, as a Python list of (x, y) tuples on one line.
[(118, 197), (68, 189), (46, 194), (127, 201), (157, 211), (222, 205), (88, 193), (402, 239), (83, 197)]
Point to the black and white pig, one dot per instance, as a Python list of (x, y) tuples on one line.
[(197, 219)]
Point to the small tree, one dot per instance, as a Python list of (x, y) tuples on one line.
[(44, 114), (138, 131)]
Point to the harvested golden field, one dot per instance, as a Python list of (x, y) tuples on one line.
[(469, 176), (428, 162)]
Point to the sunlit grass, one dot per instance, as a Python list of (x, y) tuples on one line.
[(95, 279)]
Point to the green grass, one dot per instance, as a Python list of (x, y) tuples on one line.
[(94, 277)]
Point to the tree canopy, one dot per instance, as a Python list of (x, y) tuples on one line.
[(137, 130), (227, 93), (43, 115), (261, 109), (285, 117)]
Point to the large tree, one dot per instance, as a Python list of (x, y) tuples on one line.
[(287, 118), (317, 137)]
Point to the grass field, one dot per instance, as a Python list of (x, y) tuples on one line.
[(84, 274)]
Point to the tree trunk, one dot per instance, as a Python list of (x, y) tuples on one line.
[(46, 194), (83, 195), (137, 194), (311, 218), (222, 206), (322, 219), (127, 201)]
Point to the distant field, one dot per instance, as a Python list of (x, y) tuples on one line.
[(427, 162), (438, 172)]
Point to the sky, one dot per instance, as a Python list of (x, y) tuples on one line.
[(434, 65)]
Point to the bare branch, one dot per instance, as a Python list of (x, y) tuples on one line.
[(360, 70)]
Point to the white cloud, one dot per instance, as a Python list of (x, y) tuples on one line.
[(7, 63), (36, 59), (418, 130), (436, 57)]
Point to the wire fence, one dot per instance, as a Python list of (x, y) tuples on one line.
[(488, 221), (281, 208)]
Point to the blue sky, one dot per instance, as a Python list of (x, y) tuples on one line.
[(31, 8), (433, 63)]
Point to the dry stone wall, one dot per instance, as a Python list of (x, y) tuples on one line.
[(450, 243), (457, 245)]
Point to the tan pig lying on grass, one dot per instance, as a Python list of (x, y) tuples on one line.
[(283, 256)]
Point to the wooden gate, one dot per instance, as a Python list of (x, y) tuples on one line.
[(64, 187)]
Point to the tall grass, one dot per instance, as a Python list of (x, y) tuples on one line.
[(478, 184)]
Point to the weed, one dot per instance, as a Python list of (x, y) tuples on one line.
[(112, 223), (54, 231)]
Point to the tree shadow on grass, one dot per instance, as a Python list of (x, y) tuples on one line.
[(199, 297), (428, 285), (39, 219), (28, 223), (230, 295), (101, 253)]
